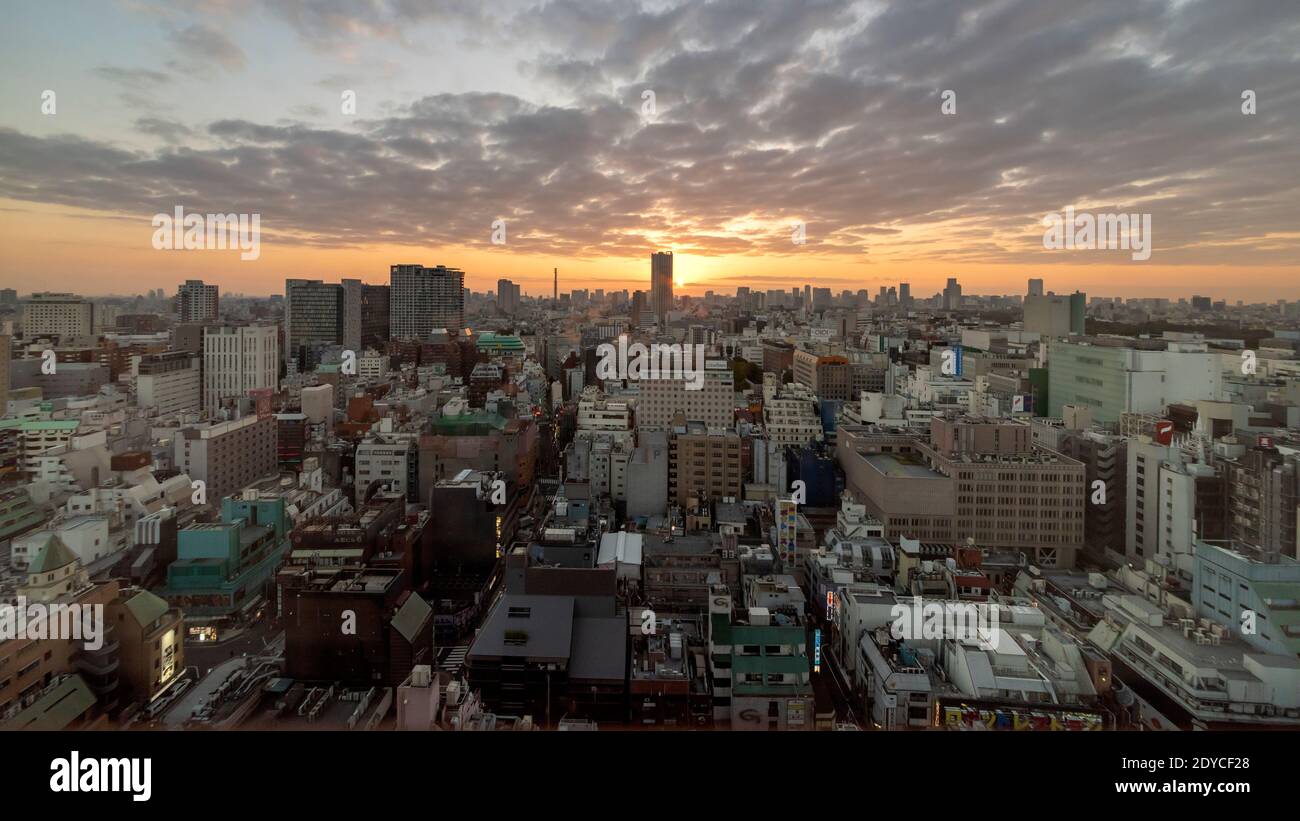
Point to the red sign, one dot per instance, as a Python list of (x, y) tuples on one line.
[(1164, 431)]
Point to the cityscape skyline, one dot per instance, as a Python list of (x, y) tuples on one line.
[(760, 143)]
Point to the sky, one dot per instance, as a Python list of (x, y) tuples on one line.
[(913, 141)]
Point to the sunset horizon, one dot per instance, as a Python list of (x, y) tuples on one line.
[(407, 135)]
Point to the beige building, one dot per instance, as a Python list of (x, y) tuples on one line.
[(713, 403), (227, 456), (1031, 500), (61, 315), (703, 463), (151, 651)]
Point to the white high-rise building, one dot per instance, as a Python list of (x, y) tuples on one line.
[(168, 383), (237, 359), (425, 299)]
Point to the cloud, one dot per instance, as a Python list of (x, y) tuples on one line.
[(200, 45), (166, 130), (767, 113), (137, 78)]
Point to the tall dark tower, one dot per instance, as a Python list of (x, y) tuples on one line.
[(555, 286), (661, 284)]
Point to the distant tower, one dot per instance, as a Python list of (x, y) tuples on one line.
[(661, 284), (555, 285)]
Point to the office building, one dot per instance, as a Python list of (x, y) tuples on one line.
[(393, 464), (1113, 377), (661, 284), (314, 319), (995, 487), (374, 316), (55, 314), (952, 295), (169, 383), (238, 359), (712, 404), (758, 658)]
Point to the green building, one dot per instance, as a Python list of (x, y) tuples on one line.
[(223, 568), (759, 665)]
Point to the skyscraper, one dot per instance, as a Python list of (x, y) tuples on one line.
[(952, 295), (661, 284), (1035, 287), (507, 297), (424, 299), (313, 317), (374, 316), (352, 301), (196, 302)]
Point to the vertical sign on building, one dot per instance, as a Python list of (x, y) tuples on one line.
[(787, 520), (262, 401), (817, 650)]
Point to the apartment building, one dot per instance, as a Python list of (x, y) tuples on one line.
[(790, 413), (196, 302), (227, 456), (1169, 501), (425, 299), (391, 462), (703, 463)]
